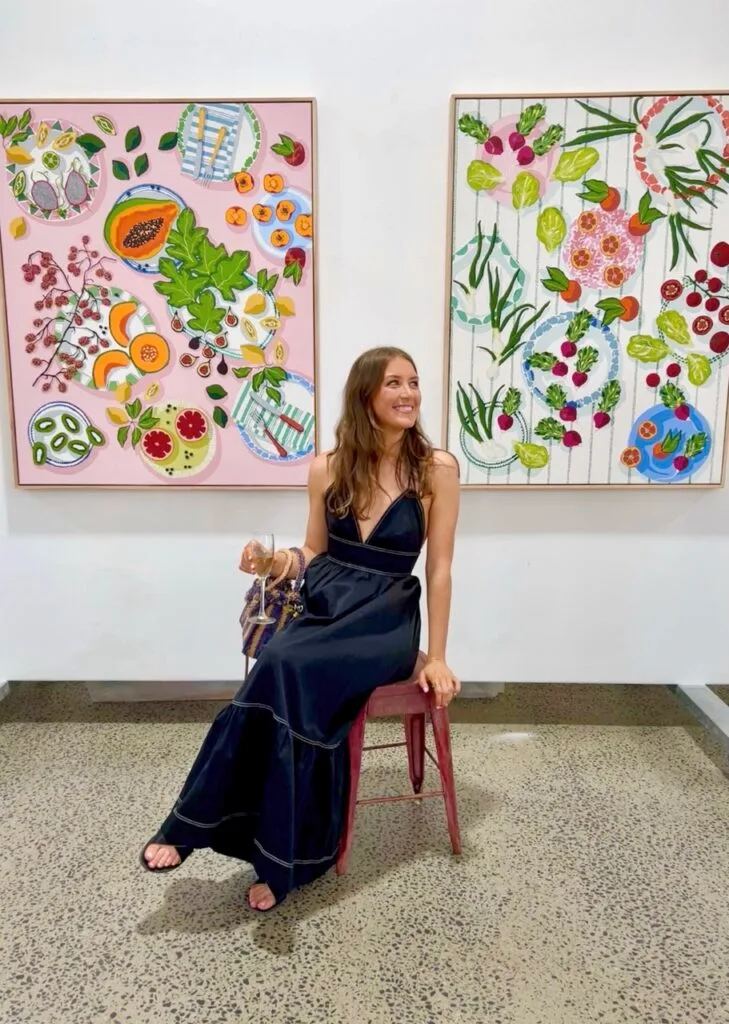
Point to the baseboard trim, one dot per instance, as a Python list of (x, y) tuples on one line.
[(174, 690), (4, 689)]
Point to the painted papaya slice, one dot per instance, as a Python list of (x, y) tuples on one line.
[(149, 352), (138, 228)]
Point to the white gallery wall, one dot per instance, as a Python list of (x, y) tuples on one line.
[(579, 587)]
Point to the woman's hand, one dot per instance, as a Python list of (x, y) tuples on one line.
[(249, 559), (436, 676)]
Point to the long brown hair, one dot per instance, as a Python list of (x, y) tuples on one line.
[(356, 456)]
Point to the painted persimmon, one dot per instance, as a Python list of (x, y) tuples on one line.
[(303, 225), (637, 227), (630, 457), (236, 216), (611, 201), (631, 308), (285, 210), (572, 292), (262, 213), (243, 182), (273, 183), (280, 238)]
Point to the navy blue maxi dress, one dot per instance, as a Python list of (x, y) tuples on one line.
[(269, 783)]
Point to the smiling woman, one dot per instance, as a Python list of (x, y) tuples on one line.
[(268, 785)]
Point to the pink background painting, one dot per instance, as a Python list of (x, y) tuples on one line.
[(233, 464)]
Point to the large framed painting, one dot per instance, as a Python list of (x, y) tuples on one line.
[(158, 270), (587, 327)]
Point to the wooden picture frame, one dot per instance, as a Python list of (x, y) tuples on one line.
[(579, 183), (211, 370)]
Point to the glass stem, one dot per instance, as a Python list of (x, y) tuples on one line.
[(263, 595)]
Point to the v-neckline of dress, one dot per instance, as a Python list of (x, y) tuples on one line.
[(388, 509)]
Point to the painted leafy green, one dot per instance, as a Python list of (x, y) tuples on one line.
[(699, 368), (531, 456), (646, 349), (573, 166), (524, 191), (674, 326), (482, 176), (551, 228)]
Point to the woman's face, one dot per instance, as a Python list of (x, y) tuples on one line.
[(396, 403)]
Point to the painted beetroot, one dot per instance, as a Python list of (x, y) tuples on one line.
[(568, 413), (680, 463), (682, 412), (560, 369), (601, 419), (579, 379), (568, 349), (505, 421), (571, 439)]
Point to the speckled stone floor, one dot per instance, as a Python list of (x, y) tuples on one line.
[(592, 887)]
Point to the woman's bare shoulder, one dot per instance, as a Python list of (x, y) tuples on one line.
[(444, 466), (319, 472)]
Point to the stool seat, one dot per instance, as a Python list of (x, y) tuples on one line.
[(407, 701)]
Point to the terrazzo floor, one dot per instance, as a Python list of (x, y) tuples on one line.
[(592, 887)]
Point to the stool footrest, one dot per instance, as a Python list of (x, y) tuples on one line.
[(399, 799)]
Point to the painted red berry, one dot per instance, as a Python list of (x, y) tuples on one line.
[(653, 380), (673, 370), (714, 284), (719, 342), (700, 276), (693, 299)]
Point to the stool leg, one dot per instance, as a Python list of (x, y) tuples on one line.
[(442, 735), (355, 743), (415, 740)]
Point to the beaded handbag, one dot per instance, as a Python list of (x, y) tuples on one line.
[(282, 603)]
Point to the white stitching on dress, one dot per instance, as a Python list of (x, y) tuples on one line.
[(304, 739), (212, 824), (364, 568), (287, 864)]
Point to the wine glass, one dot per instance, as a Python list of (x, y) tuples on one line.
[(263, 551)]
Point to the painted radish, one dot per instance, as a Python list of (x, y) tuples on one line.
[(505, 421), (560, 369), (682, 412), (568, 349), (601, 419), (525, 156), (571, 439), (494, 146), (516, 140), (579, 378), (680, 463), (568, 414)]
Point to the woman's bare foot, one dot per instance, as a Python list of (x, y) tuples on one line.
[(260, 897), (160, 856)]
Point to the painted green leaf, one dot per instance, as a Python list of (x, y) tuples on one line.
[(572, 166), (241, 372), (524, 191), (216, 392), (136, 436), (230, 274), (551, 228), (674, 326), (90, 143), (181, 288), (185, 239), (133, 408), (207, 316), (168, 141), (696, 445), (532, 456), (120, 170), (646, 349), (141, 165), (699, 369), (220, 416), (132, 139), (482, 176), (122, 434)]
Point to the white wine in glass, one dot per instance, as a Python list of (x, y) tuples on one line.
[(263, 552)]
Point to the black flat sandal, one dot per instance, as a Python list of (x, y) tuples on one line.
[(183, 851)]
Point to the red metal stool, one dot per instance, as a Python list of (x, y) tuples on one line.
[(410, 702)]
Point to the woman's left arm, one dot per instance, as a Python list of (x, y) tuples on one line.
[(446, 491)]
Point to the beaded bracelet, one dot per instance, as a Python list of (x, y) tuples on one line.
[(287, 566)]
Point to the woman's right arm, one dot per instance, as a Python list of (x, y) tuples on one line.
[(316, 538)]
